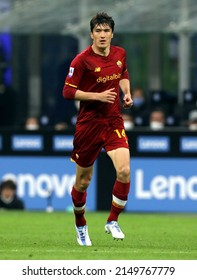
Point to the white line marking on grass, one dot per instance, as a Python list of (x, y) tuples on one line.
[(130, 251)]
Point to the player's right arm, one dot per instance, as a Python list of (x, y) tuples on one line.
[(71, 91), (108, 96)]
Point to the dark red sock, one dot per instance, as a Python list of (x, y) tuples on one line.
[(119, 199), (79, 201)]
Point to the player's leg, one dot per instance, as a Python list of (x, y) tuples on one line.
[(87, 146), (83, 178), (121, 160)]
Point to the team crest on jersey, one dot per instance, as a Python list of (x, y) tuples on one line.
[(97, 69), (119, 63), (71, 71)]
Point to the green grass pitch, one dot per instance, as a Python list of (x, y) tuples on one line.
[(47, 236)]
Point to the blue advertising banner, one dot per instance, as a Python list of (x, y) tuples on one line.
[(44, 181), (157, 185), (62, 143), (168, 185), (27, 143), (188, 144), (153, 144)]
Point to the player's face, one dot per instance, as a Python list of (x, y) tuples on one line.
[(102, 35)]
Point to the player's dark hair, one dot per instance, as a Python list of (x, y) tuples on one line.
[(102, 18)]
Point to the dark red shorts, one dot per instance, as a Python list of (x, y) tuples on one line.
[(90, 138)]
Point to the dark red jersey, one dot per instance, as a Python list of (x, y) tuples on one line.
[(91, 72)]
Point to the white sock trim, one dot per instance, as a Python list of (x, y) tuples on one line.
[(119, 201), (79, 208)]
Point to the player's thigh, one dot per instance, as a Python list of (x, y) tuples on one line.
[(88, 142), (121, 160)]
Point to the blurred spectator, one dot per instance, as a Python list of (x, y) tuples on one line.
[(157, 119), (192, 120), (139, 108), (32, 123), (128, 121), (181, 111), (61, 126), (8, 196), (165, 101), (138, 97)]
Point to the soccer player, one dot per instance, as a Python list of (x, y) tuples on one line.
[(94, 78)]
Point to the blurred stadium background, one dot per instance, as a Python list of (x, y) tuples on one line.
[(38, 40)]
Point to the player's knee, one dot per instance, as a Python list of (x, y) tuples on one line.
[(84, 185), (123, 174), (84, 182)]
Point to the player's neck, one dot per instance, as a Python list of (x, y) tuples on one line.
[(101, 51)]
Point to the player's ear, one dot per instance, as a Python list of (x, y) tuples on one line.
[(91, 35), (112, 35)]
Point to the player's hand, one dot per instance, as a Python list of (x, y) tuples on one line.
[(108, 96), (127, 101)]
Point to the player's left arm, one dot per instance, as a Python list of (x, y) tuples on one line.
[(125, 87)]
